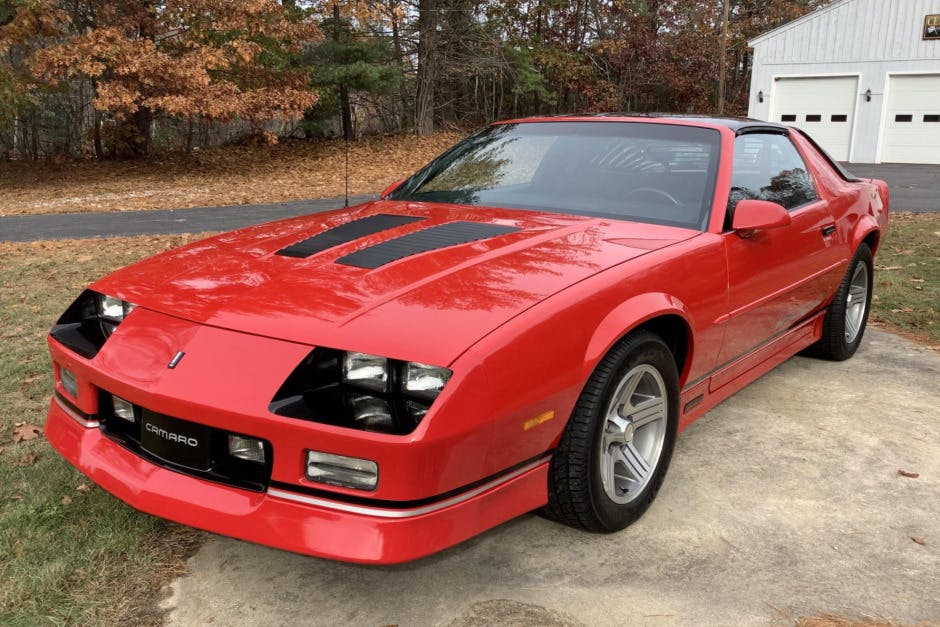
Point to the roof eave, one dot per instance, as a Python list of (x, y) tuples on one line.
[(794, 23)]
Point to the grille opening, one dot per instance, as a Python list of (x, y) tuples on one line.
[(211, 461)]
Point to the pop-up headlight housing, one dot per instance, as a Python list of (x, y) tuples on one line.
[(89, 322), (360, 391)]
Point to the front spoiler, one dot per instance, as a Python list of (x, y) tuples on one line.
[(290, 521)]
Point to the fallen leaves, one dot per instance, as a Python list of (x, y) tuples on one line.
[(921, 540), (25, 432), (908, 474), (230, 175), (29, 460)]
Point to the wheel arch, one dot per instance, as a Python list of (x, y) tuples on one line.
[(659, 313), (866, 231)]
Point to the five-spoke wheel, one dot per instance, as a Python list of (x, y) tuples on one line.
[(634, 434), (615, 450), (847, 314)]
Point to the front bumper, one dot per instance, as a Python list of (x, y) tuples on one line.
[(291, 520)]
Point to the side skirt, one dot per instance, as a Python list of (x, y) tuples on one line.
[(708, 392)]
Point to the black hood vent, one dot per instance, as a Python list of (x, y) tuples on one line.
[(423, 241), (345, 233)]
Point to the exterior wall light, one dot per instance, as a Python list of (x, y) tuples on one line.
[(867, 95), (760, 96)]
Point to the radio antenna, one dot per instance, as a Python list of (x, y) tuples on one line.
[(343, 100)]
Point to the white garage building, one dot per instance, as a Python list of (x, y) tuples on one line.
[(862, 77)]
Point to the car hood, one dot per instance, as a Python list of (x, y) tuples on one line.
[(428, 306)]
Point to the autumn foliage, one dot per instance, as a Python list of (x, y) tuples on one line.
[(192, 57), (104, 73), (213, 59)]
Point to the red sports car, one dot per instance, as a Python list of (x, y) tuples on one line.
[(525, 323)]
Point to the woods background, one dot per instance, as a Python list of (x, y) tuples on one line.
[(109, 79)]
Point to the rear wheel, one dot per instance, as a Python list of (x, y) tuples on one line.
[(617, 446), (847, 314)]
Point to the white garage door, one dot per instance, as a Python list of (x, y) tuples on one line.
[(823, 107), (912, 122)]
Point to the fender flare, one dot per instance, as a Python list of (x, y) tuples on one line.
[(629, 315)]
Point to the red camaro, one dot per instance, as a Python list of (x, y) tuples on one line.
[(525, 323)]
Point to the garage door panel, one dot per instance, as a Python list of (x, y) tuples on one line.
[(824, 107), (912, 120)]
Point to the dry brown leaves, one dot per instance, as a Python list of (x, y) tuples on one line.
[(232, 175), (908, 474), (833, 620), (24, 432)]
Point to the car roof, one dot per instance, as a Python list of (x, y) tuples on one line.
[(738, 125)]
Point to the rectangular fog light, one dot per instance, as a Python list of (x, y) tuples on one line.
[(69, 384), (123, 409), (348, 472), (249, 449)]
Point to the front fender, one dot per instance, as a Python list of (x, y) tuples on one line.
[(630, 315)]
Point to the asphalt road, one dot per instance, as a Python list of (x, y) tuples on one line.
[(158, 222), (913, 188), (783, 501)]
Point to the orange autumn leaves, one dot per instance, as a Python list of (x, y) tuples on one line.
[(218, 59)]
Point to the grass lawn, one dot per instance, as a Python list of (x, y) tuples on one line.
[(907, 277), (75, 555), (72, 554)]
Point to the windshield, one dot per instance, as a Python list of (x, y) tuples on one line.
[(659, 173)]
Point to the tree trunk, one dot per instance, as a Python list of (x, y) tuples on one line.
[(136, 128), (345, 110), (722, 61), (96, 135), (427, 66), (400, 59), (189, 136)]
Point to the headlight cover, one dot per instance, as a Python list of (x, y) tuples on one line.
[(424, 380), (360, 391), (111, 312), (89, 322)]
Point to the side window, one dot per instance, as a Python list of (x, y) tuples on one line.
[(768, 167)]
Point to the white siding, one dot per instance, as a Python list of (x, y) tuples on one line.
[(870, 39), (853, 31)]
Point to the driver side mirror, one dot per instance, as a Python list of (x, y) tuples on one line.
[(756, 215), (391, 188)]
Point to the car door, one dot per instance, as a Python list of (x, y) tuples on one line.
[(776, 277)]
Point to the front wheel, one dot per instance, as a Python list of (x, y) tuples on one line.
[(617, 446), (847, 314)]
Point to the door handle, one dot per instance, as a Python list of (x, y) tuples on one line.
[(828, 230)]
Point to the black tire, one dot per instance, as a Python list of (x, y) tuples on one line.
[(576, 490), (835, 344)]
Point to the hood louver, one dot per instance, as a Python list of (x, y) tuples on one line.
[(426, 240), (345, 233)]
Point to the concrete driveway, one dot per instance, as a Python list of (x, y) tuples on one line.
[(782, 502)]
